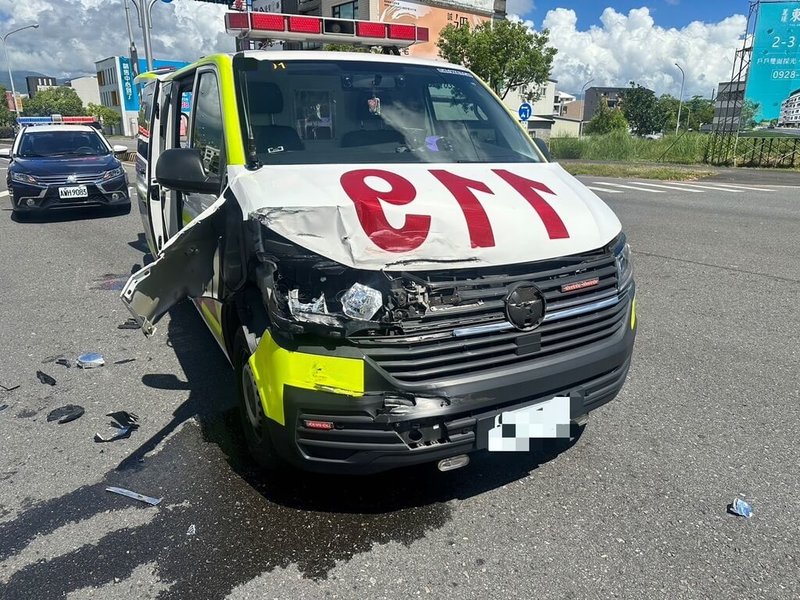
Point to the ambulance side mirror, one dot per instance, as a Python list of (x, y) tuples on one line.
[(181, 169), (542, 146)]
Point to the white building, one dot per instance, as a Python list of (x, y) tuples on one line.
[(560, 103), (87, 89), (542, 100), (790, 111)]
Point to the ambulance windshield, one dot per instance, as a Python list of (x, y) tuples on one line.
[(373, 112)]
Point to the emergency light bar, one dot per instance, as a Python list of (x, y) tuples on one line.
[(277, 26), (55, 120)]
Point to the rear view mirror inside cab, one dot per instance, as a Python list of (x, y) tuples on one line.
[(182, 169)]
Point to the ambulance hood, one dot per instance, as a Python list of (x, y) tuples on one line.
[(427, 216)]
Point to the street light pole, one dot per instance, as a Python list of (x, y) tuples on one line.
[(146, 23), (680, 100), (8, 63), (583, 108)]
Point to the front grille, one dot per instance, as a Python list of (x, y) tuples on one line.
[(80, 178), (428, 351)]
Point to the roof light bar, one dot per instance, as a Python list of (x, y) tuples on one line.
[(55, 120), (277, 26)]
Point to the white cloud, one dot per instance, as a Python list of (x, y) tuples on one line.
[(519, 7), (632, 47), (73, 34)]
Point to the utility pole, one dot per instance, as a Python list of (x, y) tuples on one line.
[(132, 50)]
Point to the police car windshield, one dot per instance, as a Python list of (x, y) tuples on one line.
[(368, 112), (51, 144)]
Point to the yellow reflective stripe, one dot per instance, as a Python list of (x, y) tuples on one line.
[(211, 318), (275, 367), (633, 313)]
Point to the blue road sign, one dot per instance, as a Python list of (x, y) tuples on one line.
[(525, 111)]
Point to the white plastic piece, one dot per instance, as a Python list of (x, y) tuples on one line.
[(361, 302)]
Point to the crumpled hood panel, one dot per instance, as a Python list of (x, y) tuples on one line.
[(424, 216)]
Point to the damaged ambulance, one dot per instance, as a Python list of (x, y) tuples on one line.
[(393, 268)]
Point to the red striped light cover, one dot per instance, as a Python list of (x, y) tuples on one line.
[(278, 26), (369, 29), (305, 24)]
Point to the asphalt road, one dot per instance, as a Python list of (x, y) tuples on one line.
[(635, 508)]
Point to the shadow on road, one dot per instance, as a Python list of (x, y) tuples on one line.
[(248, 522), (71, 214)]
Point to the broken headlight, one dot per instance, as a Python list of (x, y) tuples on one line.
[(358, 302), (622, 258)]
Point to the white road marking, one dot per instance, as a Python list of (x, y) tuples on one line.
[(711, 187), (599, 189), (4, 194), (746, 188), (669, 187), (628, 187)]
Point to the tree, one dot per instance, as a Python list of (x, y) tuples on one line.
[(640, 107), (505, 54), (606, 120), (60, 100), (668, 110), (6, 116), (750, 109), (699, 110), (107, 116)]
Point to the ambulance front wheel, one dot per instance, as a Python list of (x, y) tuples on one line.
[(254, 421)]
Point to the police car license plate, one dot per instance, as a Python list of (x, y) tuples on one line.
[(514, 429), (75, 191)]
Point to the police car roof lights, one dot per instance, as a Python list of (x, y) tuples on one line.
[(277, 26), (55, 120)]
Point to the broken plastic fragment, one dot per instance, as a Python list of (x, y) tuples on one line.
[(124, 421), (9, 389), (741, 508), (65, 414), (361, 302), (45, 378), (315, 306), (129, 324), (3, 407), (91, 360), (134, 495), (64, 362), (192, 530)]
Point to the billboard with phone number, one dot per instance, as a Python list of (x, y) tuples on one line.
[(775, 67)]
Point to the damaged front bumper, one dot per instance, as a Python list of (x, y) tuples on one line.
[(388, 426)]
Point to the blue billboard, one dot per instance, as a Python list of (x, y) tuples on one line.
[(775, 66), (130, 97)]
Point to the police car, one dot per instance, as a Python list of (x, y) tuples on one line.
[(394, 269), (59, 163)]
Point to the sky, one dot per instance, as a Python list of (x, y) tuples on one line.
[(611, 41)]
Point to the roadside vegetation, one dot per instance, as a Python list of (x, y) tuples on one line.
[(665, 173), (687, 148)]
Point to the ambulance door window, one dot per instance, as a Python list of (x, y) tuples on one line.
[(207, 137)]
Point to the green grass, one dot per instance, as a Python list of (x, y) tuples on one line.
[(687, 149), (666, 173)]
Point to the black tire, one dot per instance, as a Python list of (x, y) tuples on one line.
[(253, 419)]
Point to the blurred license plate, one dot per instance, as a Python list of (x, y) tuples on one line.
[(514, 429), (75, 191)]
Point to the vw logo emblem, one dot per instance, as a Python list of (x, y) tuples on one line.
[(525, 306), (72, 178)]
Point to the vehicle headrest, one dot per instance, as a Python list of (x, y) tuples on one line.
[(266, 97)]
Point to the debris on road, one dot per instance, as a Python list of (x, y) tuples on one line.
[(129, 324), (134, 495), (3, 407), (741, 508), (64, 362), (192, 530), (91, 360), (124, 361), (125, 422), (65, 414), (9, 389), (45, 378)]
